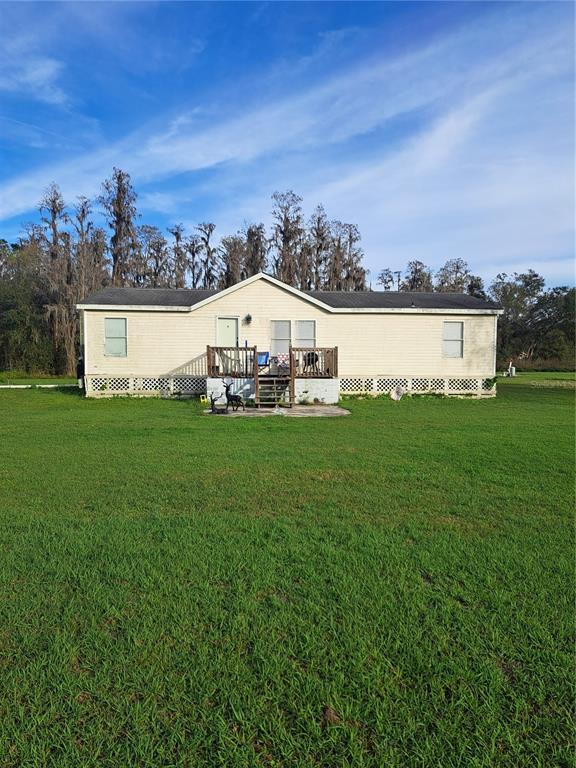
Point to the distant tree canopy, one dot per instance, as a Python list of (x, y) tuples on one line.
[(60, 260)]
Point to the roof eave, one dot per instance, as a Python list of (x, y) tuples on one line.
[(416, 310), (132, 308)]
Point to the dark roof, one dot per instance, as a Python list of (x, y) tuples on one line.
[(148, 297), (400, 300), (187, 297)]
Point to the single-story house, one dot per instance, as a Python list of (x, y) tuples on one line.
[(276, 343)]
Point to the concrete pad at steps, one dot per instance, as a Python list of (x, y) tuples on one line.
[(297, 411)]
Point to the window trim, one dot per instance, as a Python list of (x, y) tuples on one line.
[(125, 337), (299, 339), (460, 340), (274, 338)]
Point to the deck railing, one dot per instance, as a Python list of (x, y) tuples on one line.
[(314, 362), (237, 362), (299, 363)]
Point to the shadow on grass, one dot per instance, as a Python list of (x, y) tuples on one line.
[(190, 402), (64, 390)]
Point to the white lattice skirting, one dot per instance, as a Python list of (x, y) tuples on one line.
[(171, 386), (142, 386), (417, 385)]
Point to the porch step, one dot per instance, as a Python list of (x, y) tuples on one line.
[(272, 391)]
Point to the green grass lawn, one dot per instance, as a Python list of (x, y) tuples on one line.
[(565, 379), (393, 588), (20, 377)]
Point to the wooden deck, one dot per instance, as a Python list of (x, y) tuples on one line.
[(274, 380)]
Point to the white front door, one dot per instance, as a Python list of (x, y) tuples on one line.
[(227, 334)]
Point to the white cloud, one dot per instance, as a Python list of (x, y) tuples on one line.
[(25, 71), (35, 77)]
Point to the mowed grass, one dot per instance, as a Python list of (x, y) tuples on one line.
[(541, 379), (20, 377), (393, 588)]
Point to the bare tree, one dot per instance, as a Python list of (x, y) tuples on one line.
[(418, 277), (118, 200), (354, 274), (304, 264), (179, 265), (53, 210), (336, 259), (319, 238), (232, 255), (287, 236), (193, 249), (257, 246), (89, 250), (209, 255), (154, 257)]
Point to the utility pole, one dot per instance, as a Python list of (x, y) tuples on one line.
[(397, 279)]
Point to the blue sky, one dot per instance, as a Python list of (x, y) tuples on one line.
[(441, 129)]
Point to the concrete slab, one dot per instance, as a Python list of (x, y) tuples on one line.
[(297, 411)]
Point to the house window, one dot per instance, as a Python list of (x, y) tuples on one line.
[(453, 339), (115, 335), (305, 333), (280, 340)]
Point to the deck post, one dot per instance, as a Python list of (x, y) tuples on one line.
[(335, 366), (256, 378), (292, 385)]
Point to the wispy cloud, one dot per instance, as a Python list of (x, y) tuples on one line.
[(26, 72), (480, 170)]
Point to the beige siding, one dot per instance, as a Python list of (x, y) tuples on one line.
[(368, 344)]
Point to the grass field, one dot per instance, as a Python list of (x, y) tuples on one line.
[(20, 377), (393, 588), (542, 379)]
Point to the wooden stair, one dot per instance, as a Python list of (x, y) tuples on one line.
[(272, 391)]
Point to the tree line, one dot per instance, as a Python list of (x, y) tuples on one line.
[(66, 256)]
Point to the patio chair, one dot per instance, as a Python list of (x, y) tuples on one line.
[(283, 363), (263, 360)]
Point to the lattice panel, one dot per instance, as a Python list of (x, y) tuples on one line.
[(355, 386), (386, 385), (96, 385), (463, 385), (152, 385), (117, 385), (420, 385), (190, 385), (488, 385), (436, 385)]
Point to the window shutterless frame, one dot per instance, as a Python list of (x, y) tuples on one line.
[(453, 339), (280, 337), (305, 333), (115, 337)]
